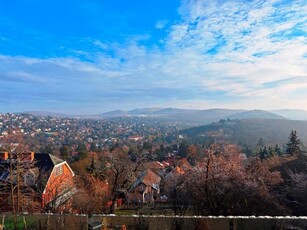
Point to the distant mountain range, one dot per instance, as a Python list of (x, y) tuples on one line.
[(209, 115), (183, 115), (196, 116)]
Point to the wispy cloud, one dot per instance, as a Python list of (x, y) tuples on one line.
[(220, 54), (161, 24), (238, 43)]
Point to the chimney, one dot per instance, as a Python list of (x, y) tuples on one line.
[(31, 156), (4, 156)]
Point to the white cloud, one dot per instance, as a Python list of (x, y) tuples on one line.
[(239, 54), (161, 24), (247, 54), (100, 44)]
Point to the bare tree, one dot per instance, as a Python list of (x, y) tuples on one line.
[(177, 193), (297, 192), (225, 184), (120, 171), (16, 180), (92, 195)]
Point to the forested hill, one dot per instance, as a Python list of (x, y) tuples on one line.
[(249, 131)]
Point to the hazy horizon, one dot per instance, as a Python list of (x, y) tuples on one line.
[(158, 108), (83, 58)]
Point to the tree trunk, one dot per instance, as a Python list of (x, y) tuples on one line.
[(2, 225), (113, 206), (15, 217), (25, 223), (18, 184)]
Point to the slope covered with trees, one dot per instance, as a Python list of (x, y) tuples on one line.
[(249, 131)]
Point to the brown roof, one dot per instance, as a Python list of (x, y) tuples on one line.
[(178, 170), (148, 178), (151, 178)]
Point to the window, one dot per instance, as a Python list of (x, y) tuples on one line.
[(58, 170), (29, 179)]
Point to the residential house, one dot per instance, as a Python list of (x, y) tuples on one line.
[(40, 181), (146, 188), (135, 138)]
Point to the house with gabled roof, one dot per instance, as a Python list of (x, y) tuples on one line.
[(44, 180), (56, 178), (145, 188)]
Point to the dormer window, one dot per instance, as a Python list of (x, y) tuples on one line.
[(58, 170)]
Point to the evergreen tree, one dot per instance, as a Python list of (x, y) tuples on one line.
[(183, 149), (82, 151), (48, 149), (278, 151), (263, 153), (248, 151), (294, 144), (160, 154), (91, 169), (175, 147), (147, 145), (132, 154), (93, 147), (64, 152)]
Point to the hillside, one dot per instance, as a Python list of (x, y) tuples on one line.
[(191, 116), (256, 114), (182, 115), (248, 131), (207, 116)]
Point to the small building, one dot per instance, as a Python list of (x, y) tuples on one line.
[(145, 189), (135, 138)]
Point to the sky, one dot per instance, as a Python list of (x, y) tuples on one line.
[(93, 56)]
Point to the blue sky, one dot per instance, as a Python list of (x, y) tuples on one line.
[(87, 57)]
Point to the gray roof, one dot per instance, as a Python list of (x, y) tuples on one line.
[(46, 161)]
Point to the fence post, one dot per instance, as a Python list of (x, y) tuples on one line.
[(105, 223), (233, 224)]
